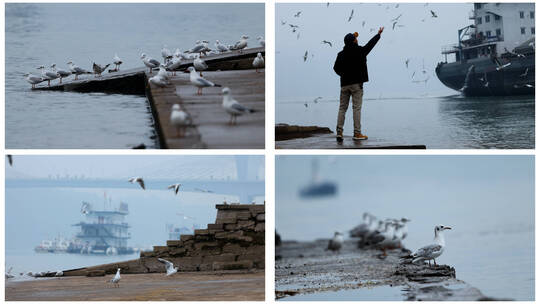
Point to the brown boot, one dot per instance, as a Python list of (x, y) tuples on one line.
[(339, 135), (359, 136)]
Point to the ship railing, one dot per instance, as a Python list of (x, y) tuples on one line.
[(450, 48)]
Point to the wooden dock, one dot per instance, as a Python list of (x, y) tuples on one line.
[(210, 121)]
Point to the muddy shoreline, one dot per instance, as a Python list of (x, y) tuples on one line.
[(184, 286), (307, 268)]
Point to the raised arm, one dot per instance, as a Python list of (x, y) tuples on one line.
[(371, 43)]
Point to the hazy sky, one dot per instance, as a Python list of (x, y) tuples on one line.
[(122, 166), (388, 74)]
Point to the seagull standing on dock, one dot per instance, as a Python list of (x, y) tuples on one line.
[(336, 243), (149, 62), (98, 69), (48, 75), (117, 62), (241, 44), (33, 79), (221, 47), (258, 62), (158, 81), (233, 107), (433, 251), (176, 187), (261, 41), (166, 54), (169, 267), (173, 65), (61, 73), (77, 70), (199, 81), (180, 120), (199, 64), (138, 180), (116, 279)]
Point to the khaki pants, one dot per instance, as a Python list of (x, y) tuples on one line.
[(356, 91)]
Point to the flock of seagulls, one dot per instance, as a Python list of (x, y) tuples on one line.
[(389, 234), (171, 61)]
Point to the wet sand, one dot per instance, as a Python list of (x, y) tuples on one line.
[(187, 286)]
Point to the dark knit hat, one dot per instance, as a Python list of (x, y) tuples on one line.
[(349, 39)]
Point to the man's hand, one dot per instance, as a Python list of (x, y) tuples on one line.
[(381, 29)]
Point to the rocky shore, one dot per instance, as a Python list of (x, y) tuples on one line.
[(306, 268)]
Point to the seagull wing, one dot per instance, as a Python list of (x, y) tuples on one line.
[(240, 108), (141, 182), (168, 265), (205, 82), (427, 251), (177, 186), (153, 61)]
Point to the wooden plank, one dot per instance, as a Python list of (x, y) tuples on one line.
[(211, 128), (328, 141)]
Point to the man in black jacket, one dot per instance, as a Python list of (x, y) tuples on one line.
[(351, 66)]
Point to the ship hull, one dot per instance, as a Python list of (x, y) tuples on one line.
[(480, 77)]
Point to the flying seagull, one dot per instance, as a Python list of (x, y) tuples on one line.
[(317, 99), (116, 278), (396, 19), (327, 42), (350, 17), (433, 14), (407, 62), (169, 267), (297, 14), (10, 160), (233, 107), (138, 180), (305, 56), (175, 187), (432, 251)]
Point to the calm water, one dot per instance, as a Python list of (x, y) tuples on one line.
[(488, 202), (452, 122), (37, 213), (40, 34)]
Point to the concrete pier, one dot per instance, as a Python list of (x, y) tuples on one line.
[(210, 127)]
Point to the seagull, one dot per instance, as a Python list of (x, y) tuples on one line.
[(241, 44), (199, 81), (396, 19), (350, 17), (174, 64), (158, 81), (394, 25), (180, 120), (316, 99), (116, 278), (221, 47), (117, 62), (433, 251), (363, 23), (433, 14), (336, 243), (528, 85), (233, 107), (47, 75), (169, 266), (10, 160), (8, 273), (305, 56), (261, 41), (500, 66), (77, 70), (138, 180), (175, 187), (258, 62), (61, 73), (199, 48), (525, 73), (149, 62), (199, 64), (327, 42), (177, 53), (362, 230), (33, 79), (294, 26), (166, 54), (297, 14), (305, 104), (98, 69), (407, 62)]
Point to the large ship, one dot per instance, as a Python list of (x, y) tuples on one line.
[(103, 232), (494, 56)]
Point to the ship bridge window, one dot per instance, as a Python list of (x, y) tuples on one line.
[(478, 5), (522, 31), (521, 15), (532, 30), (488, 34), (479, 20), (487, 18), (531, 15), (497, 17)]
